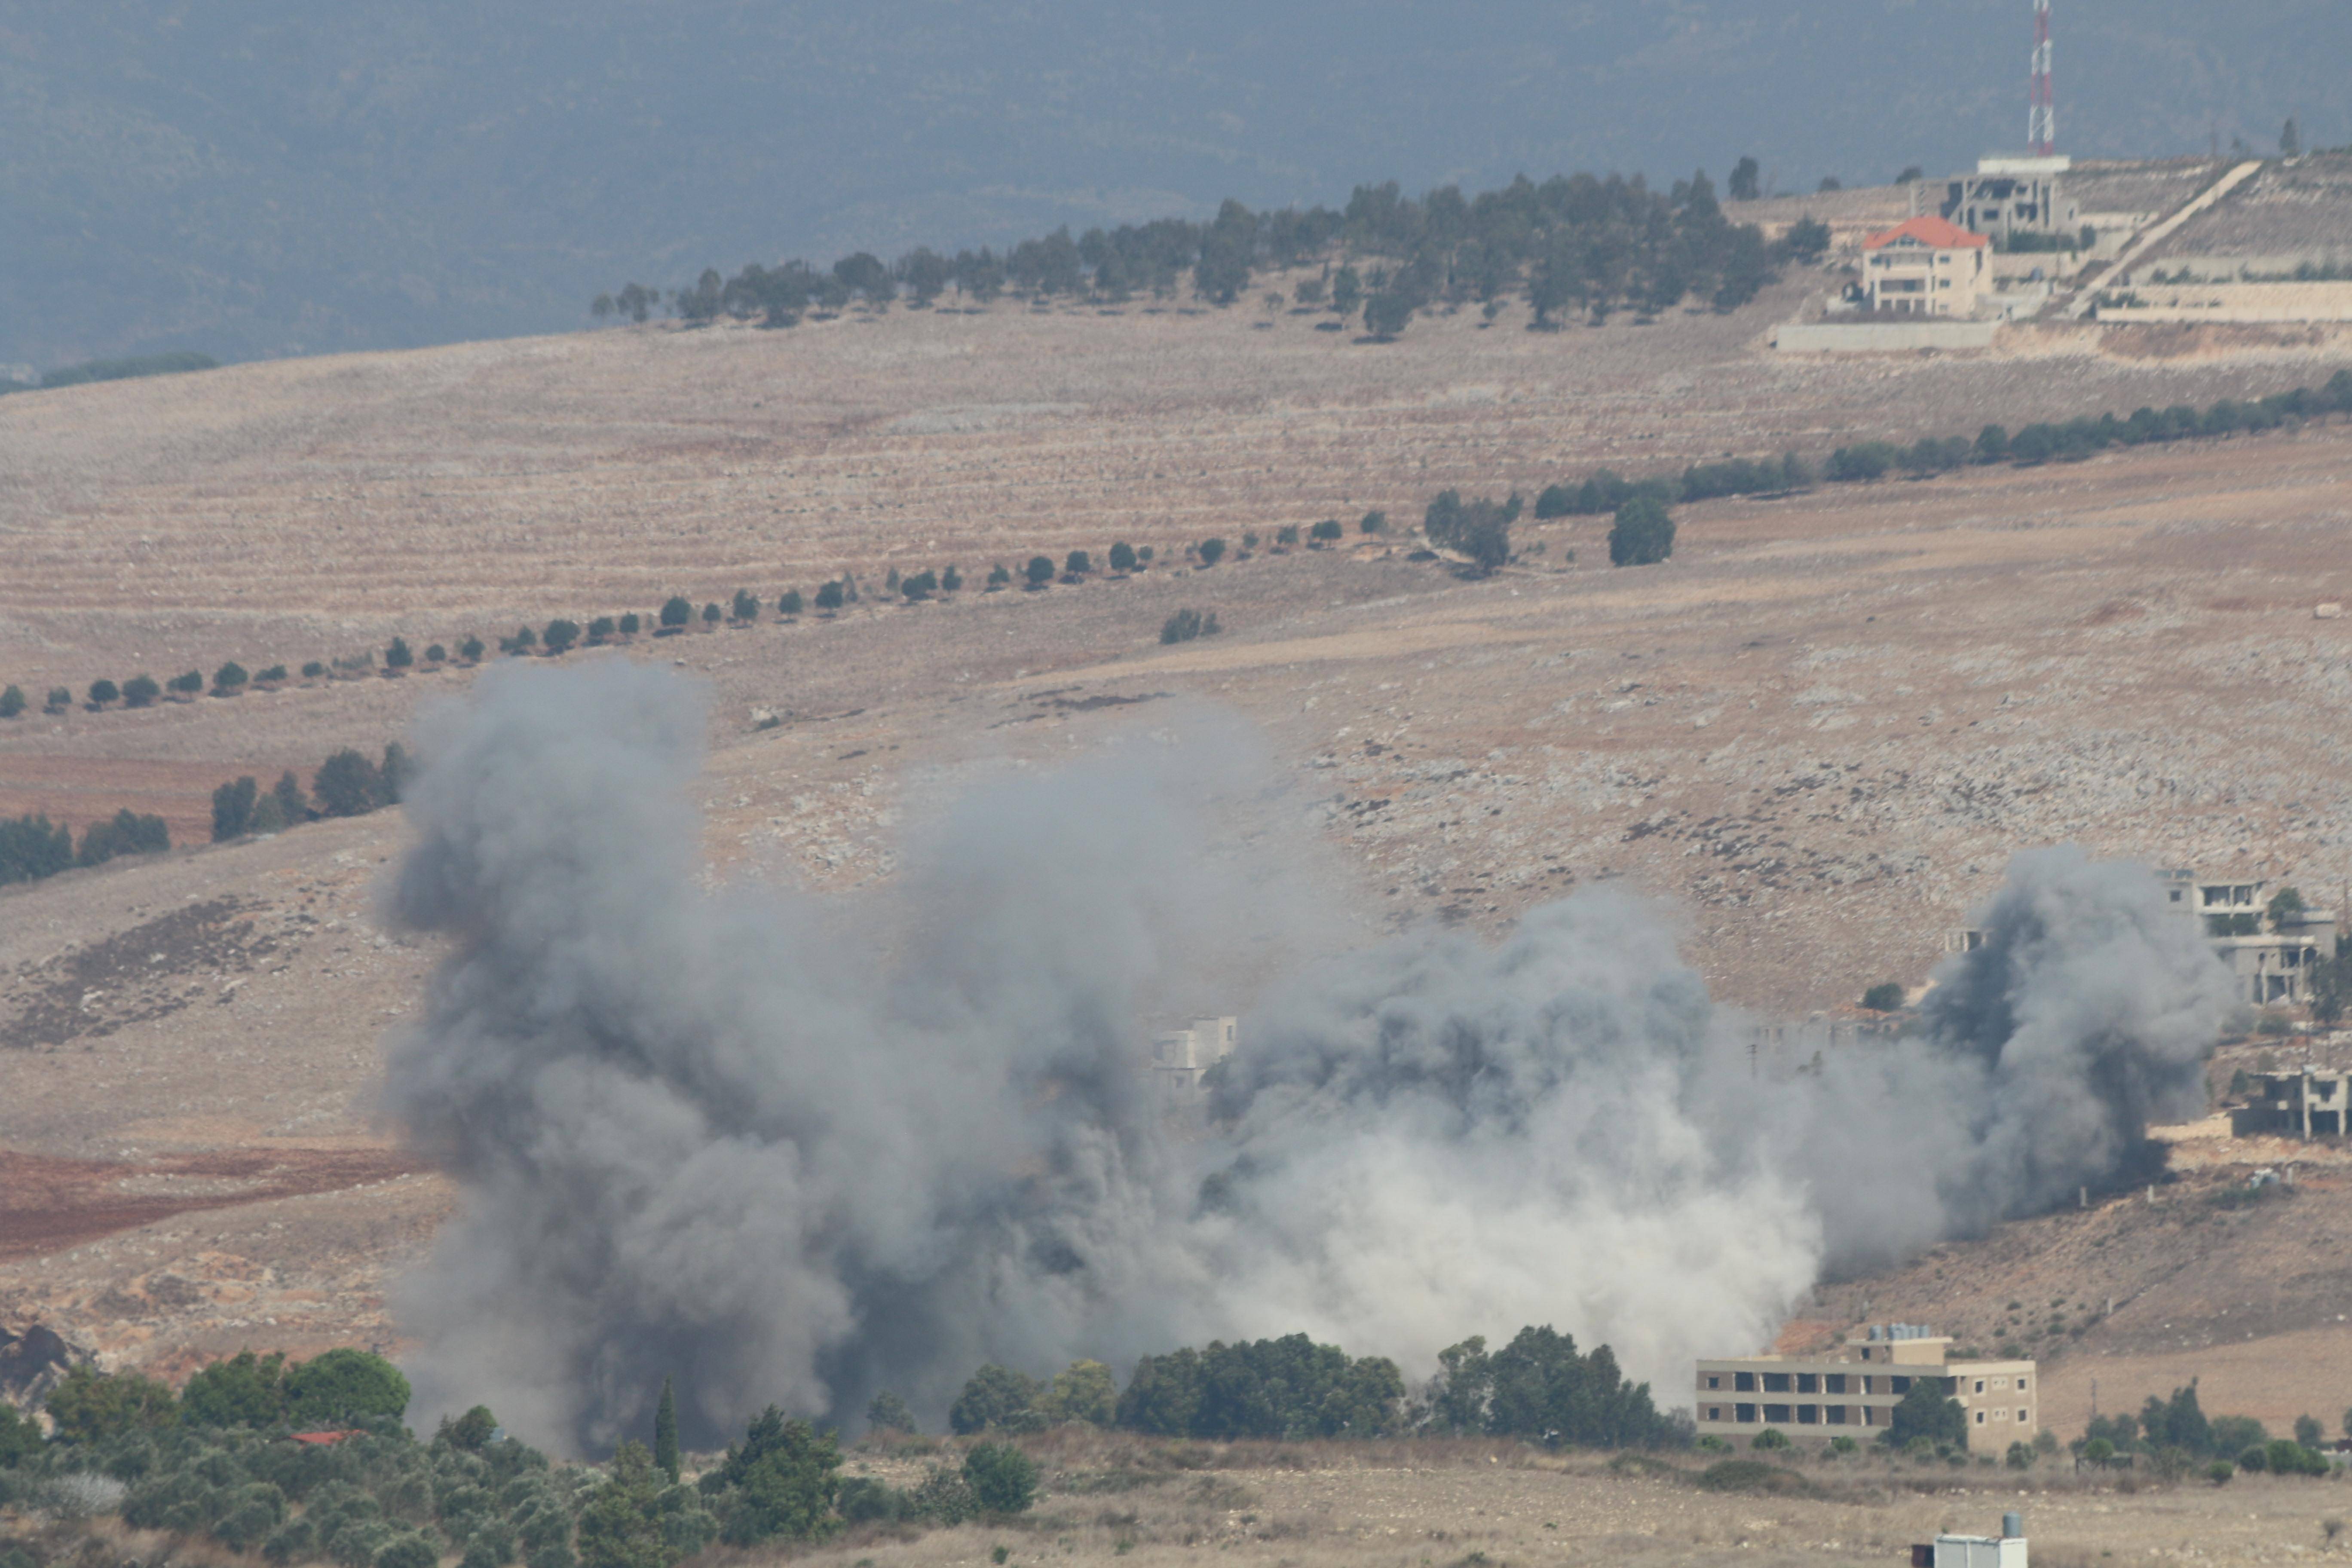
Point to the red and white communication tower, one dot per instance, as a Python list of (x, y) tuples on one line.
[(2041, 114)]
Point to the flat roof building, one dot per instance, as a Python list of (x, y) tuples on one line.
[(1852, 1390), (2308, 1103), (2006, 195)]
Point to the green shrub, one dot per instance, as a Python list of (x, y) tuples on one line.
[(992, 1398), (232, 814), (1769, 1439), (1863, 461), (245, 1390), (347, 784), (31, 848), (2288, 1457), (781, 1481), (1003, 1479), (125, 833), (1643, 533), (1183, 625), (2220, 1471), (344, 1387), (1753, 1476), (1886, 996), (862, 1499)]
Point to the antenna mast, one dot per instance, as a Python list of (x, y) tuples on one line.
[(2041, 113)]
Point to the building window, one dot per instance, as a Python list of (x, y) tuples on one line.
[(1776, 1383), (1898, 1385), (1715, 1412), (1776, 1413), (2022, 1417), (1808, 1383), (1980, 1414), (1837, 1415), (2021, 1386), (1713, 1381), (1744, 1413), (1809, 1414), (1832, 1383), (1744, 1381), (1981, 1386)]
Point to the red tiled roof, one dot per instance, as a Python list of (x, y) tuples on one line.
[(1941, 233), (324, 1439)]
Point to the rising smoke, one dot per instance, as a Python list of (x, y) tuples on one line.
[(796, 1149)]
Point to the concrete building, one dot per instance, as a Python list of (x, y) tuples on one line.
[(1924, 267), (2306, 1103), (1854, 1390), (2271, 956), (1181, 1057), (2006, 197)]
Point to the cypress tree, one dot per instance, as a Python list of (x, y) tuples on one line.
[(666, 1433)]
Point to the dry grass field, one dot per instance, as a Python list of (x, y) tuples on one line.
[(1455, 1504), (1816, 735)]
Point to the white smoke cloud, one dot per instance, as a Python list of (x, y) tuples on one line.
[(796, 1149)]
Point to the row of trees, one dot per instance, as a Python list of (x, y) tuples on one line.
[(2073, 440), (346, 785), (33, 847), (678, 615), (2177, 1433), (1537, 1388), (1642, 535), (213, 1462), (1605, 491), (1571, 244)]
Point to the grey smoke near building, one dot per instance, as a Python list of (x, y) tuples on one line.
[(795, 1148)]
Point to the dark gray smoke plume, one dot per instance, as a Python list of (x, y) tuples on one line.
[(794, 1149)]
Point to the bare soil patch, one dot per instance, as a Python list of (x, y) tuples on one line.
[(47, 1205)]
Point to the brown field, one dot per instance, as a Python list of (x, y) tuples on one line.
[(1816, 735)]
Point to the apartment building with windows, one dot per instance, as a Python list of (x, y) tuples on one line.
[(1852, 1390)]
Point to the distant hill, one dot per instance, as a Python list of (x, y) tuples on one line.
[(283, 178)]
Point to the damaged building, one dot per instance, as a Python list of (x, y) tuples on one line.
[(1852, 1390), (1180, 1059), (2272, 944), (2306, 1103)]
